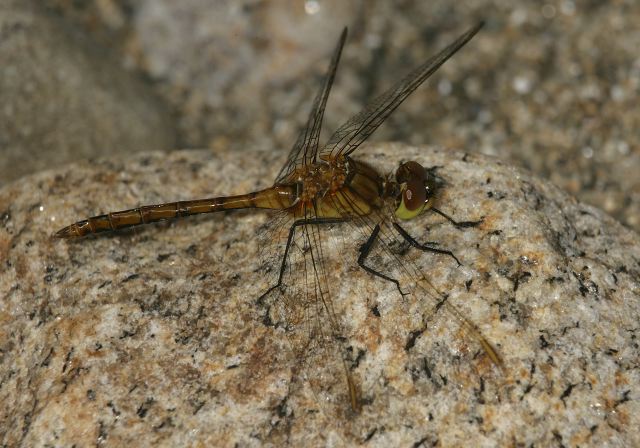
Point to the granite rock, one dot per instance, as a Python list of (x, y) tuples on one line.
[(65, 98), (154, 336)]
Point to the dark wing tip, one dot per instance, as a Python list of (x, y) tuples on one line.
[(471, 32), (477, 27)]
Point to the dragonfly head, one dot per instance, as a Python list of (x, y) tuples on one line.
[(416, 190)]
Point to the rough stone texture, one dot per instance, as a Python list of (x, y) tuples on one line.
[(65, 98), (552, 86), (154, 337)]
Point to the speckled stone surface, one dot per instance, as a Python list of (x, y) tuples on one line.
[(65, 98), (154, 337), (552, 86)]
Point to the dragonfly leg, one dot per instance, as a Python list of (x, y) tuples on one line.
[(458, 224), (365, 250), (427, 247), (292, 231)]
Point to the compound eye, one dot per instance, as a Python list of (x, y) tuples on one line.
[(410, 170), (415, 195), (414, 200)]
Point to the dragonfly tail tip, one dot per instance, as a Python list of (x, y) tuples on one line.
[(66, 233)]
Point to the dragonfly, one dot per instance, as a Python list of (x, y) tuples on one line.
[(322, 186)]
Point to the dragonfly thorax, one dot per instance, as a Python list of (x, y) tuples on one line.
[(317, 180), (336, 188)]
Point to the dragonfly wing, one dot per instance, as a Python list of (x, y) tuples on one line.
[(303, 306), (388, 257), (306, 147), (357, 129)]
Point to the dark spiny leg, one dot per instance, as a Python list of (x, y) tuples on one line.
[(365, 250), (292, 229), (427, 247), (460, 224)]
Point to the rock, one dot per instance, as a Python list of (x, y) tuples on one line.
[(65, 99), (155, 336)]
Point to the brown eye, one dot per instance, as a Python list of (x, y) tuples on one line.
[(410, 170), (414, 195), (416, 190)]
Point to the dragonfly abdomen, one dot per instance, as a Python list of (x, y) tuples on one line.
[(278, 197)]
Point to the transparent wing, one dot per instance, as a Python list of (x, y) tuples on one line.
[(357, 129), (306, 147), (388, 257), (303, 306), (318, 327)]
